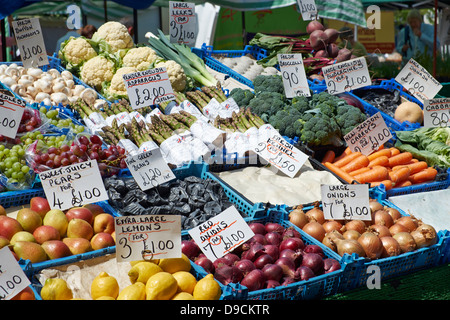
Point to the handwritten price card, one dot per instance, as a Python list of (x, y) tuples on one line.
[(436, 113), (149, 169), (346, 76), (149, 87), (293, 74), (221, 234), (347, 201), (183, 23), (369, 135), (418, 81), (74, 185), (307, 8), (30, 41), (148, 237), (12, 278), (11, 111)]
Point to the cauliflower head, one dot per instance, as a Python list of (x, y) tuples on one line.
[(97, 70), (177, 77), (115, 34), (76, 51), (117, 86), (141, 58)]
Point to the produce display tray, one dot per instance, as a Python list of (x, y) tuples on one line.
[(17, 198)]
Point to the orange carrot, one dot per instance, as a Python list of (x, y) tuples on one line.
[(358, 163), (400, 175), (405, 183), (376, 154), (329, 156), (394, 151), (417, 166), (425, 175), (338, 171), (354, 173), (346, 152), (345, 160), (387, 184), (377, 173), (379, 161), (399, 167), (414, 160), (401, 158)]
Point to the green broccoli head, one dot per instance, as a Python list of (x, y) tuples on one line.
[(269, 83), (242, 96), (321, 130), (267, 103), (348, 117), (301, 104)]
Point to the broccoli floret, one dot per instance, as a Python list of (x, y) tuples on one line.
[(294, 129), (301, 104), (268, 83), (280, 121), (321, 130), (242, 96), (348, 117), (267, 104)]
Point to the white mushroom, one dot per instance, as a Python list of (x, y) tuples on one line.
[(8, 81), (78, 89), (25, 82), (47, 77), (59, 97), (43, 85), (32, 91), (54, 73), (47, 102), (16, 87), (41, 96), (58, 86), (12, 70), (89, 96), (70, 84), (35, 72), (67, 75), (99, 103)]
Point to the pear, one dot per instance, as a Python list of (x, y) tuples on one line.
[(4, 242), (78, 245), (79, 228), (57, 219), (29, 220), (22, 236), (30, 251)]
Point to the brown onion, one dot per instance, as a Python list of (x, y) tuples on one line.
[(382, 218), (374, 205), (298, 217), (395, 214), (316, 214), (380, 231), (329, 239), (406, 241), (371, 244), (391, 248), (351, 234), (349, 247), (424, 236), (331, 225), (315, 230), (396, 228), (409, 222), (357, 225)]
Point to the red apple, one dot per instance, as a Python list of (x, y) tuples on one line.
[(46, 233), (104, 222), (102, 240), (94, 208), (9, 226), (80, 213), (40, 205)]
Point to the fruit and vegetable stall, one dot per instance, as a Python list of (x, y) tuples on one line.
[(139, 173)]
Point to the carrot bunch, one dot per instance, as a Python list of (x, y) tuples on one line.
[(386, 166)]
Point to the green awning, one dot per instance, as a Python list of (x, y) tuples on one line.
[(351, 11)]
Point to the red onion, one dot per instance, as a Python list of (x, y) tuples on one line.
[(272, 284), (258, 237), (256, 249), (295, 256), (262, 260), (190, 248), (292, 243), (221, 262), (330, 265), (313, 261), (291, 233), (305, 273), (287, 280), (245, 266), (313, 248), (231, 258), (228, 274), (288, 267), (206, 264), (257, 228), (274, 227), (272, 272), (272, 250), (254, 280), (273, 238)]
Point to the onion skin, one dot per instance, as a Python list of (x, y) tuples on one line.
[(375, 205), (315, 230), (391, 248), (228, 274), (406, 241), (314, 262), (351, 234), (380, 231), (206, 264), (371, 244), (262, 260), (190, 248), (272, 272), (273, 237), (328, 239), (410, 223), (305, 273), (396, 228), (257, 227), (254, 280), (245, 266), (272, 251), (290, 232), (424, 236), (292, 243), (332, 225), (315, 214), (382, 218), (272, 284), (357, 225), (274, 227), (395, 214), (331, 265), (349, 247), (298, 218), (313, 248)]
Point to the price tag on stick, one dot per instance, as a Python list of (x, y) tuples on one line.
[(436, 113), (149, 87), (74, 185), (12, 278), (148, 237), (149, 169), (307, 8), (346, 76), (221, 234), (294, 75), (347, 201), (183, 23), (11, 111), (30, 42)]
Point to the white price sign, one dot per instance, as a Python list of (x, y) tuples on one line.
[(30, 42), (418, 81), (346, 76), (148, 87), (436, 113), (12, 278), (11, 113), (149, 169), (369, 135), (308, 9), (347, 201), (148, 237), (183, 23), (221, 234), (74, 185), (280, 153), (294, 75)]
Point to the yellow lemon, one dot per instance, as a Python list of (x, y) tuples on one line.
[(105, 298), (161, 286), (182, 296), (56, 289), (173, 265), (207, 288), (141, 271), (186, 281), (104, 285), (135, 291)]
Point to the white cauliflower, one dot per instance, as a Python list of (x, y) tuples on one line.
[(177, 77), (115, 34), (141, 58), (75, 51), (117, 86), (97, 70)]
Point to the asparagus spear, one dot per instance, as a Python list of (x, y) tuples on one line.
[(196, 99), (219, 91), (255, 119), (211, 93), (243, 118)]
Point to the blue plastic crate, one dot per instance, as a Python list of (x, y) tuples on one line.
[(17, 198)]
